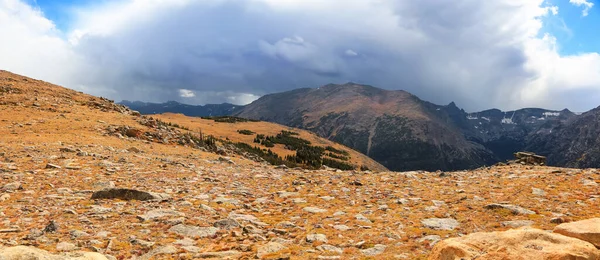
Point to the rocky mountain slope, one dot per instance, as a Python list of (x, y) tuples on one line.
[(147, 108), (573, 144), (80, 173), (395, 128), (403, 132)]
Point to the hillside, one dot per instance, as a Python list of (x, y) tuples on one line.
[(395, 128), (80, 173), (572, 144), (246, 132)]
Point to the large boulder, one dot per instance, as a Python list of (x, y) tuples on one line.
[(128, 194), (28, 253), (519, 244), (587, 230)]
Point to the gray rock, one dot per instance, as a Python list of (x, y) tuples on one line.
[(512, 208), (227, 223), (362, 218), (164, 250), (193, 231), (12, 186), (78, 233), (517, 223), (314, 210), (129, 194), (341, 227), (231, 254), (373, 251), (159, 213), (65, 246), (440, 223), (316, 238), (269, 248), (330, 248), (538, 192)]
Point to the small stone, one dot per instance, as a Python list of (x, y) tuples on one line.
[(375, 250), (512, 208), (341, 227), (129, 194), (517, 223), (314, 210), (440, 223), (227, 223), (12, 186), (193, 231), (52, 166), (311, 238), (269, 248), (65, 246), (159, 213), (330, 248)]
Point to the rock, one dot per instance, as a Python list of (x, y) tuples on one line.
[(207, 208), (51, 227), (52, 166), (523, 243), (512, 208), (142, 243), (129, 194), (373, 251), (64, 191), (586, 230), (362, 218), (67, 150), (517, 223), (227, 223), (165, 250), (341, 227), (538, 192), (12, 186), (159, 213), (78, 233), (134, 149), (185, 242), (65, 246), (558, 220), (330, 248), (314, 210), (26, 253), (103, 185), (269, 248), (231, 254), (433, 239), (4, 197), (193, 231), (316, 238), (440, 223)]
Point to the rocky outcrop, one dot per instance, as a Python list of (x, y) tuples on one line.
[(128, 194), (521, 244), (587, 230), (29, 253)]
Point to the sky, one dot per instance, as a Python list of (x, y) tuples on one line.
[(504, 54)]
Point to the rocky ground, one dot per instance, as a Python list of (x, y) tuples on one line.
[(58, 150)]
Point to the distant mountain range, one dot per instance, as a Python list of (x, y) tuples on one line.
[(403, 132), (176, 107)]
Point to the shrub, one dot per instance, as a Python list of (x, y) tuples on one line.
[(245, 132)]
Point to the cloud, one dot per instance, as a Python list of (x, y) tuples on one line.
[(186, 93), (480, 54), (586, 6)]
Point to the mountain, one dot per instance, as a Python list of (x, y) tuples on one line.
[(404, 132), (395, 128), (504, 133), (176, 107), (575, 143)]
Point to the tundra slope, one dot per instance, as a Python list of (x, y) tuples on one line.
[(58, 147)]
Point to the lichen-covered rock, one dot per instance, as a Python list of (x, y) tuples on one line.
[(587, 230), (29, 253), (519, 244), (128, 194)]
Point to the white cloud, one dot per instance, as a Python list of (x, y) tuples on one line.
[(480, 54), (586, 6), (350, 53), (186, 93)]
